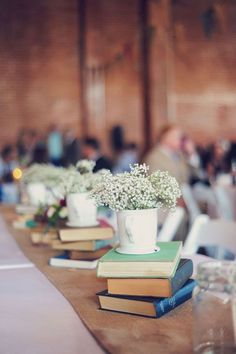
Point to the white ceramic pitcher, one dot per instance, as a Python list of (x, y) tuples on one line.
[(37, 194), (82, 210), (137, 231)]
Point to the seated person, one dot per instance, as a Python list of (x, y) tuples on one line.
[(128, 156), (219, 161), (91, 150), (167, 154), (8, 163)]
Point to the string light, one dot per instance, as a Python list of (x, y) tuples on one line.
[(17, 173)]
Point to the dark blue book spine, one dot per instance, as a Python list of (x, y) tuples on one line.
[(183, 273), (164, 306)]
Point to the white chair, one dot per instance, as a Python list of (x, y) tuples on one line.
[(206, 232), (162, 215), (190, 202), (171, 224), (226, 202)]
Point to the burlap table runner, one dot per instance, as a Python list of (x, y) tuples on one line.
[(115, 332)]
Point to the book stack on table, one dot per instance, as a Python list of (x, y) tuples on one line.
[(149, 285), (82, 247)]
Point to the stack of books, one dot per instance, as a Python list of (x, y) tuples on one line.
[(43, 237), (149, 285), (82, 247)]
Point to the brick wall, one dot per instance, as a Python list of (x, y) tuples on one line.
[(191, 68), (204, 60), (38, 64)]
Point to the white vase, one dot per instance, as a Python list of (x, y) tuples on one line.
[(137, 231), (82, 211), (53, 195), (37, 194)]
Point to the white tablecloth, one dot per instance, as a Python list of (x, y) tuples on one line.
[(10, 254), (34, 316)]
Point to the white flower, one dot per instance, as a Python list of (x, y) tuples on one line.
[(85, 166), (47, 174), (167, 188), (80, 179), (50, 212), (63, 212), (136, 190)]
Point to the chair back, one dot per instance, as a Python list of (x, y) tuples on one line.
[(226, 202), (206, 232), (190, 202), (171, 225)]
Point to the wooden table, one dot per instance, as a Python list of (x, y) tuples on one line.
[(115, 332)]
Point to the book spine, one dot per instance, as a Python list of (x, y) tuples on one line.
[(101, 244), (181, 276), (166, 305), (104, 223)]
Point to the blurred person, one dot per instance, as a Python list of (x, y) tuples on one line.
[(22, 143), (39, 154), (201, 189), (219, 161), (9, 191), (71, 148), (36, 149), (167, 154), (204, 155), (8, 163), (91, 150), (232, 160), (55, 145), (193, 159), (190, 152), (26, 143), (128, 156), (232, 151), (24, 146), (117, 139)]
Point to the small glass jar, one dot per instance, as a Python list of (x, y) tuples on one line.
[(214, 309)]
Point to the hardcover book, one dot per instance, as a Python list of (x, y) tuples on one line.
[(90, 245), (64, 261), (40, 238), (158, 287), (102, 232), (160, 264), (145, 306), (88, 254)]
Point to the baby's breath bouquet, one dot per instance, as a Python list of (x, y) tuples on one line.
[(47, 174), (136, 190), (80, 178)]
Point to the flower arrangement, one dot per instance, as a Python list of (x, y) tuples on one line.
[(51, 215), (81, 178), (136, 190), (47, 174)]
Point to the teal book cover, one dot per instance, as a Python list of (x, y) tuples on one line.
[(168, 252)]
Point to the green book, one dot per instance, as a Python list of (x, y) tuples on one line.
[(162, 264)]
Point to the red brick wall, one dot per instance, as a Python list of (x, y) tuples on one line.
[(204, 94), (192, 77), (114, 85), (38, 64)]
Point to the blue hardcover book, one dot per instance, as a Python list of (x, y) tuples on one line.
[(89, 245), (183, 273), (63, 260), (145, 306)]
